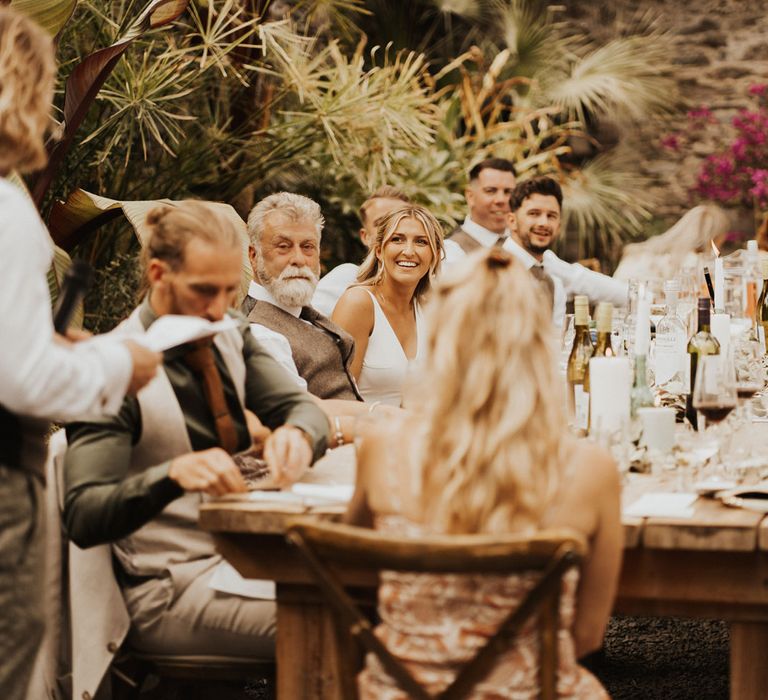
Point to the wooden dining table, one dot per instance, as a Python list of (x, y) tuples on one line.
[(712, 565)]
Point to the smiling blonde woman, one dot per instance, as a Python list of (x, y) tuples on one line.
[(381, 311)]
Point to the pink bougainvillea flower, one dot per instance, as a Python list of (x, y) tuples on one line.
[(671, 142), (702, 113)]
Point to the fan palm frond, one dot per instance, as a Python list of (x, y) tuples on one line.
[(604, 204), (621, 77)]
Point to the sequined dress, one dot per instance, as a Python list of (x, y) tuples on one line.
[(436, 623)]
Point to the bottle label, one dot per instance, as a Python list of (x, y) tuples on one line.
[(581, 407), (670, 359), (761, 335)]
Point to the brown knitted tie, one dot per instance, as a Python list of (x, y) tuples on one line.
[(545, 280), (202, 361)]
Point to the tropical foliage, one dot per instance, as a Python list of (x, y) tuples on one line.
[(227, 100)]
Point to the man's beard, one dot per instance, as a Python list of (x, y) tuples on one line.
[(289, 292), (531, 247)]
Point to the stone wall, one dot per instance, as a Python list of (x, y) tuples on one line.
[(718, 49)]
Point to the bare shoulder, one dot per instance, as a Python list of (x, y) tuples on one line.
[(354, 308), (593, 467), (358, 294)]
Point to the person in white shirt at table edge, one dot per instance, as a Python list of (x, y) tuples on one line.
[(492, 220), (43, 376), (535, 221)]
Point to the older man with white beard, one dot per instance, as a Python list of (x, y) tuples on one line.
[(284, 231)]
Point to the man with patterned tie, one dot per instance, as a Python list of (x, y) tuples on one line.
[(136, 480), (284, 229)]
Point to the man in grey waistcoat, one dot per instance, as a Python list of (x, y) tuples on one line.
[(136, 480), (284, 231), (491, 183)]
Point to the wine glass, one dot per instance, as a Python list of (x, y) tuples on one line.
[(714, 392)]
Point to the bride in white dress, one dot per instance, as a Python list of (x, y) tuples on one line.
[(381, 311)]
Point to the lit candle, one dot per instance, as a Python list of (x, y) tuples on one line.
[(610, 382), (643, 327), (719, 281)]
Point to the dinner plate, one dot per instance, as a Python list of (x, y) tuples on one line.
[(755, 498), (709, 487)]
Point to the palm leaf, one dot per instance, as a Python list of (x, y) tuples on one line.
[(84, 212), (89, 75), (603, 203), (621, 76), (52, 15)]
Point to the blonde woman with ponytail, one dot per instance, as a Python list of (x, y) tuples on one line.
[(484, 448)]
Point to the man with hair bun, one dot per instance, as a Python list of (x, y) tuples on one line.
[(136, 481)]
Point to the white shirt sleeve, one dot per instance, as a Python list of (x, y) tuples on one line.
[(332, 286), (577, 279), (38, 376), (277, 345)]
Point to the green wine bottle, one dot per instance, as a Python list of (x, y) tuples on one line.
[(578, 363)]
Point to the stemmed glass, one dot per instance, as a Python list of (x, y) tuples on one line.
[(714, 393), (714, 397)]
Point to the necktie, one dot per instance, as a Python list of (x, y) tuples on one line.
[(545, 280), (202, 361), (247, 306), (500, 241)]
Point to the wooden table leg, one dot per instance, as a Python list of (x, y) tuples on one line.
[(308, 666), (749, 661)]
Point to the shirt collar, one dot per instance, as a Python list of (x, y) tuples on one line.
[(147, 314), (512, 246), (261, 293), (482, 235)]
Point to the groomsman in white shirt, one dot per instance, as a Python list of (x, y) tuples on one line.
[(491, 183), (535, 221)]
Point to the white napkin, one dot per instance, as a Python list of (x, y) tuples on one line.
[(305, 495), (171, 330), (226, 579), (664, 505), (332, 493)]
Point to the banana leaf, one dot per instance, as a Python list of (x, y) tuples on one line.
[(84, 212), (52, 15), (87, 78)]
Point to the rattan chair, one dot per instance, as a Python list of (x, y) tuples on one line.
[(329, 548)]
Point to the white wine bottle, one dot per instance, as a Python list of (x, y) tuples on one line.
[(671, 359), (578, 363), (703, 343)]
